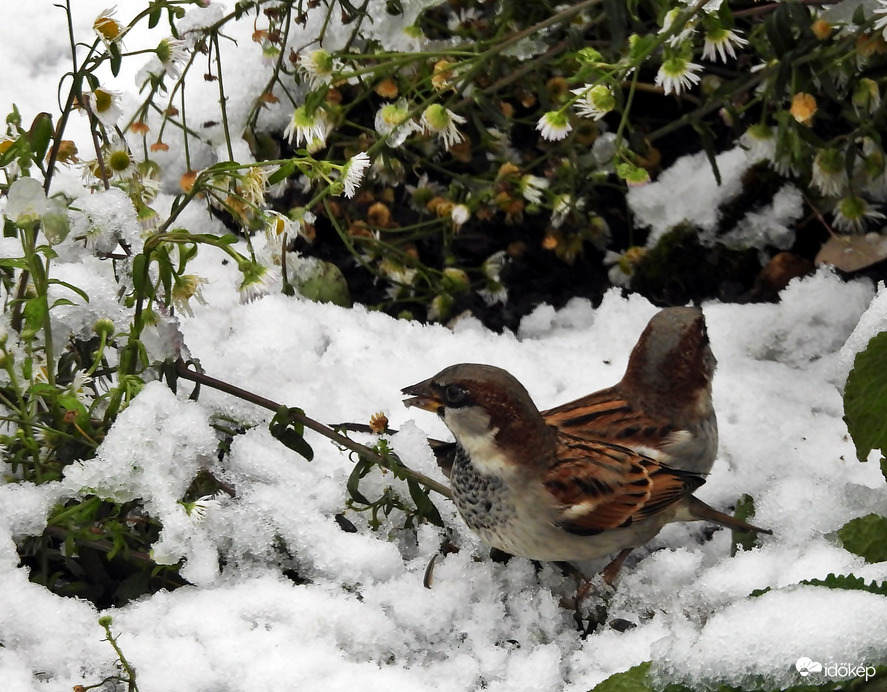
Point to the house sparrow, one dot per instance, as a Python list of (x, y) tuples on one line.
[(539, 491), (663, 402)]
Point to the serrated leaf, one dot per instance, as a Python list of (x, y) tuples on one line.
[(848, 582), (865, 398), (866, 536), (635, 679)]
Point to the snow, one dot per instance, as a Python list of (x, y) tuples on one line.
[(361, 615)]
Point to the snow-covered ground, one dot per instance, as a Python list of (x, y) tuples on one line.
[(364, 620)]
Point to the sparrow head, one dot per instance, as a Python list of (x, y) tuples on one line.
[(488, 411), (673, 356)]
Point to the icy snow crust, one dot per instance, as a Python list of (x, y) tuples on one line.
[(364, 619)]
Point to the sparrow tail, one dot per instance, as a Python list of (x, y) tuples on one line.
[(699, 510)]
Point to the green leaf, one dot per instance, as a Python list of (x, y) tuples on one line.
[(79, 291), (13, 152), (848, 582), (71, 403), (327, 284), (866, 536), (140, 274), (154, 15), (865, 398), (361, 469), (745, 511), (40, 135), (635, 679), (35, 312), (708, 144), (116, 58), (282, 173), (14, 262), (289, 432), (424, 505)]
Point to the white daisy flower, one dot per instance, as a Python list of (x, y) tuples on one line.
[(258, 280), (554, 126), (852, 213), (677, 74), (172, 53), (353, 173), (532, 187), (829, 174), (759, 142), (394, 123), (442, 122), (105, 105), (721, 42), (307, 127), (594, 101)]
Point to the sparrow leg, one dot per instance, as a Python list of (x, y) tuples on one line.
[(610, 572)]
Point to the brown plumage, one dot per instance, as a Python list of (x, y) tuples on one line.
[(598, 475), (663, 401)]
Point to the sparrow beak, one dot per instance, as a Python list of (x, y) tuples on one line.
[(422, 396)]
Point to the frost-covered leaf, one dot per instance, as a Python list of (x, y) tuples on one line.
[(325, 283), (632, 680), (866, 536), (865, 398)]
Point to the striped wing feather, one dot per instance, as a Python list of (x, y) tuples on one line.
[(599, 486), (607, 415)]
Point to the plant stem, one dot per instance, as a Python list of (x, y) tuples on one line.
[(185, 373)]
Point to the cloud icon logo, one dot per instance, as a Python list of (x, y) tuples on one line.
[(805, 666)]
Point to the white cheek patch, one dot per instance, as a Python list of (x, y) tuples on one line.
[(471, 427)]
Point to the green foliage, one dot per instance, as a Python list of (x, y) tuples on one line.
[(865, 398), (848, 582), (865, 412), (636, 679), (866, 536), (389, 500), (287, 429), (745, 511)]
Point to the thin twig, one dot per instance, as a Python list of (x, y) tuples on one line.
[(185, 373)]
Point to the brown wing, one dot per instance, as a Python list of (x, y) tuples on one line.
[(608, 415), (599, 485)]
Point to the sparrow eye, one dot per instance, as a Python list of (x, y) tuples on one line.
[(455, 395)]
